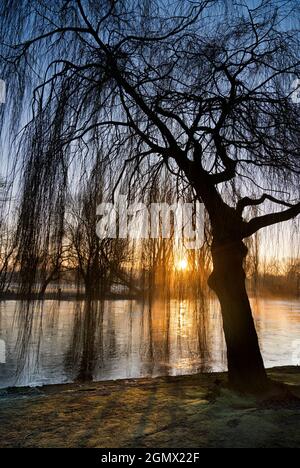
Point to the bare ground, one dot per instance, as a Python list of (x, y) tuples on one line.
[(192, 411)]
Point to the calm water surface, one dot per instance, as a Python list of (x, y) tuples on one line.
[(68, 341)]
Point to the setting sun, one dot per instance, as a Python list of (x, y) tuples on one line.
[(182, 264)]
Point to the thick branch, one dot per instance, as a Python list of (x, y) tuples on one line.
[(269, 220), (230, 165), (244, 202)]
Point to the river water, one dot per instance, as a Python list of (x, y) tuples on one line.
[(68, 341)]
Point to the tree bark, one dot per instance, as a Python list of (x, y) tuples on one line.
[(245, 364)]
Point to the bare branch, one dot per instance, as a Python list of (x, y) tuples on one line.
[(270, 219), (244, 202)]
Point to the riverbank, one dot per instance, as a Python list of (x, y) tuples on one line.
[(188, 411), (64, 296), (74, 295)]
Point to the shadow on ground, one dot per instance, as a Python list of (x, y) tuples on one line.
[(192, 411)]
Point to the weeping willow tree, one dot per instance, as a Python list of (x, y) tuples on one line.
[(202, 87)]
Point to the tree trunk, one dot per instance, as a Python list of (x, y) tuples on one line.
[(245, 365)]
